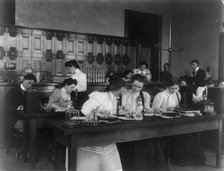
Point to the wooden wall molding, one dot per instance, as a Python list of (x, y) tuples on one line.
[(48, 50)]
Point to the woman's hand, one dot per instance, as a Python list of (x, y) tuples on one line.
[(158, 111), (103, 114), (128, 114), (148, 110), (90, 117), (66, 104), (170, 108)]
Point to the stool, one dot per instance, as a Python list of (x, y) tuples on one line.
[(16, 141)]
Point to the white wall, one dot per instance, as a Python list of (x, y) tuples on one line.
[(196, 28), (89, 16)]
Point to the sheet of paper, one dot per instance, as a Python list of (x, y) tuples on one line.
[(126, 119), (78, 118)]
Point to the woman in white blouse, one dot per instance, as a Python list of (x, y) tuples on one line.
[(143, 70), (181, 145), (61, 97), (168, 99), (80, 94), (135, 100), (77, 74), (104, 157)]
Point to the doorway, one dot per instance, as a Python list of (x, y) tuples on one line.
[(144, 30)]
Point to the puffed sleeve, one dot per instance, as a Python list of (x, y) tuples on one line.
[(92, 103), (82, 82), (157, 101), (148, 75), (147, 99), (54, 98), (124, 99), (136, 71), (179, 98)]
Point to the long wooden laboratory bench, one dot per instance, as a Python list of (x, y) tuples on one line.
[(45, 90)]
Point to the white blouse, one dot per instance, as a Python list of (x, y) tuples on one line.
[(129, 101), (81, 79), (145, 72), (102, 101), (59, 97), (164, 99)]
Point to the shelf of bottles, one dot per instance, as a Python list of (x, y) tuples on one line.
[(44, 52)]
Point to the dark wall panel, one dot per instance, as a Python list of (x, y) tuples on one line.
[(7, 11)]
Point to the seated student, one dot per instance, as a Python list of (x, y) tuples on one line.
[(145, 153), (17, 99), (143, 70), (111, 78), (61, 97), (106, 157), (136, 96), (127, 75), (166, 74), (168, 99), (184, 148)]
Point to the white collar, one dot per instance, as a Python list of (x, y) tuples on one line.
[(134, 93), (170, 94), (77, 71), (196, 70), (110, 94), (22, 87), (63, 90)]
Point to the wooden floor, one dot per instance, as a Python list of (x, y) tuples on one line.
[(9, 163)]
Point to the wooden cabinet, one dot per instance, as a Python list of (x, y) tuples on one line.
[(4, 117), (217, 96)]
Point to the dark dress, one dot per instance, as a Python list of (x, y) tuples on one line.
[(165, 76), (149, 154), (198, 80), (79, 99), (186, 149), (15, 97)]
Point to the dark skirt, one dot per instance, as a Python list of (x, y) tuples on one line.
[(186, 150), (144, 155)]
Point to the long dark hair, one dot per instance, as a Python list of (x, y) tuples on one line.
[(116, 84), (138, 77), (72, 63), (68, 81), (171, 82)]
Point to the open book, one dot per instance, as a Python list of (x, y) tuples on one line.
[(189, 112)]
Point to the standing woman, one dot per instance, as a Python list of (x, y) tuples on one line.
[(61, 97), (166, 74), (104, 157), (76, 73)]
